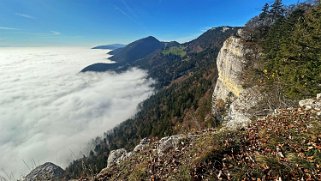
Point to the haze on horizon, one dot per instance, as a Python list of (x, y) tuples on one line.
[(95, 22)]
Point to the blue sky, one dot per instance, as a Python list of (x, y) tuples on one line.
[(93, 22)]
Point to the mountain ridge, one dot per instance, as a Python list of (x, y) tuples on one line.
[(109, 47)]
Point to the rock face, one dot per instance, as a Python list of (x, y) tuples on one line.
[(228, 91), (116, 156), (46, 172)]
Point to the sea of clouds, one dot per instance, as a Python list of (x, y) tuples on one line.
[(49, 111)]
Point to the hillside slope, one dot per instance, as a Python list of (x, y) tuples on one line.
[(285, 145)]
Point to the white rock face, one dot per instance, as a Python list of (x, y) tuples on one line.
[(240, 109), (231, 62), (46, 172), (116, 156)]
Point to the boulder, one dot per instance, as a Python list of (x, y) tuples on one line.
[(169, 142), (116, 156), (314, 104), (46, 172)]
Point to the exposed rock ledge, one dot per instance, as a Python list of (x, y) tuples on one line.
[(228, 91), (46, 172)]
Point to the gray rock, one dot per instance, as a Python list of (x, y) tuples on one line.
[(46, 172), (319, 96), (169, 142), (143, 143), (309, 104), (240, 110), (231, 63), (116, 156), (306, 102)]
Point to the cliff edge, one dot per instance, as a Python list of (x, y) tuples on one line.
[(231, 102)]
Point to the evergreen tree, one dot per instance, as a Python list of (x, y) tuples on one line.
[(265, 11), (277, 10), (293, 53)]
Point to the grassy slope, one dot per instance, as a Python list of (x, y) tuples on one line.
[(286, 146)]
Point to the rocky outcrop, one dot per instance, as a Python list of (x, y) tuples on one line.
[(116, 156), (313, 104), (223, 154), (46, 172), (237, 101), (161, 148), (143, 143), (169, 142)]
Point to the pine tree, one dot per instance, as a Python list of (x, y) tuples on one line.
[(277, 10), (265, 11), (294, 53)]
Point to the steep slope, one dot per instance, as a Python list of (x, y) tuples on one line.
[(285, 145), (182, 104), (231, 102)]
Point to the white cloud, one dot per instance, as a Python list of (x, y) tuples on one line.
[(55, 33), (25, 15), (49, 111), (8, 28)]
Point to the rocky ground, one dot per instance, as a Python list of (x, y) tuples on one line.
[(285, 145)]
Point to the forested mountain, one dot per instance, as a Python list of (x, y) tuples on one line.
[(282, 48), (185, 80)]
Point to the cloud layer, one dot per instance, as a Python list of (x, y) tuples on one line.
[(49, 111)]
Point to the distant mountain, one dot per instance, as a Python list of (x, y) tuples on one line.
[(138, 53), (208, 40), (100, 67), (137, 50), (166, 61), (110, 47)]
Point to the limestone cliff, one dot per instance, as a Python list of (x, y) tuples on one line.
[(231, 102)]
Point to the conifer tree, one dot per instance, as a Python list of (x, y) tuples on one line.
[(265, 11), (277, 10)]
